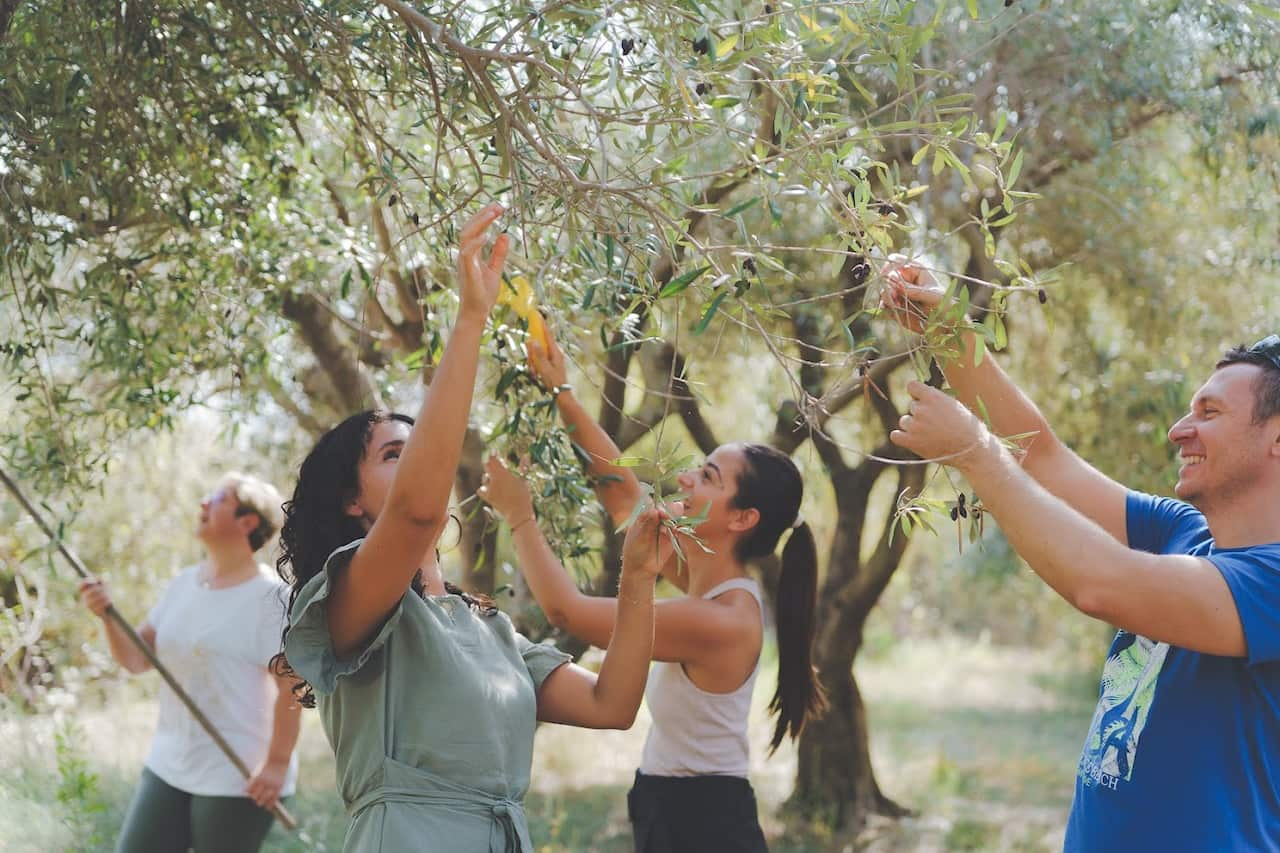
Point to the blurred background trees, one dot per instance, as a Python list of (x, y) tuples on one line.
[(229, 226)]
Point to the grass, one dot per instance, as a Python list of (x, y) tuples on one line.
[(979, 741)]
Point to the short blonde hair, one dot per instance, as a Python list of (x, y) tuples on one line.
[(259, 497)]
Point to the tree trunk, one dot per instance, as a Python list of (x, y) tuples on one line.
[(835, 780)]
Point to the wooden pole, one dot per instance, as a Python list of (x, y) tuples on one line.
[(282, 814)]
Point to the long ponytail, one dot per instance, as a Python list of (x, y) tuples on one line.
[(799, 696), (770, 483)]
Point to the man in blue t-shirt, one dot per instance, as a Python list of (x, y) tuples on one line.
[(1183, 753)]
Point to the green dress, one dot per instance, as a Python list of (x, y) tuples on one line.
[(431, 723)]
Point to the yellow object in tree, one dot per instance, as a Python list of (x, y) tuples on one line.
[(517, 293)]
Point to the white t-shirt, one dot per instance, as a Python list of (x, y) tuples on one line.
[(217, 643)]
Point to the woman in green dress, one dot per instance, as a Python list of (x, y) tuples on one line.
[(428, 696)]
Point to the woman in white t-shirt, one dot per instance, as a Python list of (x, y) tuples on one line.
[(215, 627)]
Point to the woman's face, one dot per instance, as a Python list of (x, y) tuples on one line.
[(376, 468), (712, 487), (218, 520)]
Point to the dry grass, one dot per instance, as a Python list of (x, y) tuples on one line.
[(980, 741)]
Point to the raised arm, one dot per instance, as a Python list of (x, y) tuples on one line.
[(617, 488), (575, 696), (417, 502), (911, 294), (1177, 599), (689, 630)]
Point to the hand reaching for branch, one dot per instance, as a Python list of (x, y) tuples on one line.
[(648, 545), (940, 428), (912, 293), (506, 492), (547, 366), (478, 279)]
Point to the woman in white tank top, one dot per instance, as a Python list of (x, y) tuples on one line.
[(691, 791)]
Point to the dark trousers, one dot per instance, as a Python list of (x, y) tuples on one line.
[(164, 819), (694, 814)]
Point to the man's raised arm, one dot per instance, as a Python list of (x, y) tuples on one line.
[(910, 295)]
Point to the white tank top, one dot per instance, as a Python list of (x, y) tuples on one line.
[(695, 732)]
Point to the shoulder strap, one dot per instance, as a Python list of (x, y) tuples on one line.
[(737, 583)]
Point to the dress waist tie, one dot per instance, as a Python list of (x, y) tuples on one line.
[(507, 834)]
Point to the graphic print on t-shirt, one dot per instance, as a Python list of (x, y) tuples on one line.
[(1128, 691)]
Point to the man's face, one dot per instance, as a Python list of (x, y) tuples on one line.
[(1224, 454)]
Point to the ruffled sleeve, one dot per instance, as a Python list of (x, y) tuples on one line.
[(541, 659), (309, 647)]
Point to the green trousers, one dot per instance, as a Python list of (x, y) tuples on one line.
[(164, 819)]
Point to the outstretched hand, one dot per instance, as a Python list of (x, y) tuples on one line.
[(648, 545), (940, 428), (478, 279), (911, 294), (547, 365), (507, 493)]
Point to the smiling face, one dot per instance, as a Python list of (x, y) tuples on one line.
[(377, 468), (1226, 457), (712, 487)]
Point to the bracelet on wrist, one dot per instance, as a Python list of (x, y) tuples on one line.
[(559, 389), (649, 589), (521, 523)]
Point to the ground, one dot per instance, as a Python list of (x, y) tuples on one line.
[(980, 741)]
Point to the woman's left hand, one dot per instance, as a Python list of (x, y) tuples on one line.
[(507, 493), (940, 428), (265, 784), (648, 546)]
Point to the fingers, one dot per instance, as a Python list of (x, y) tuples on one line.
[(93, 594), (536, 354), (494, 465), (901, 439), (264, 794), (477, 225), (499, 255), (919, 391)]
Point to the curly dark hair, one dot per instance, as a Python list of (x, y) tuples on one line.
[(316, 522)]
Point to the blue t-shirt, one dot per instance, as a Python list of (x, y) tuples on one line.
[(1183, 753)]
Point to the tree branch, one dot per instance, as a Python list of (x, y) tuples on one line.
[(349, 380), (406, 298)]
